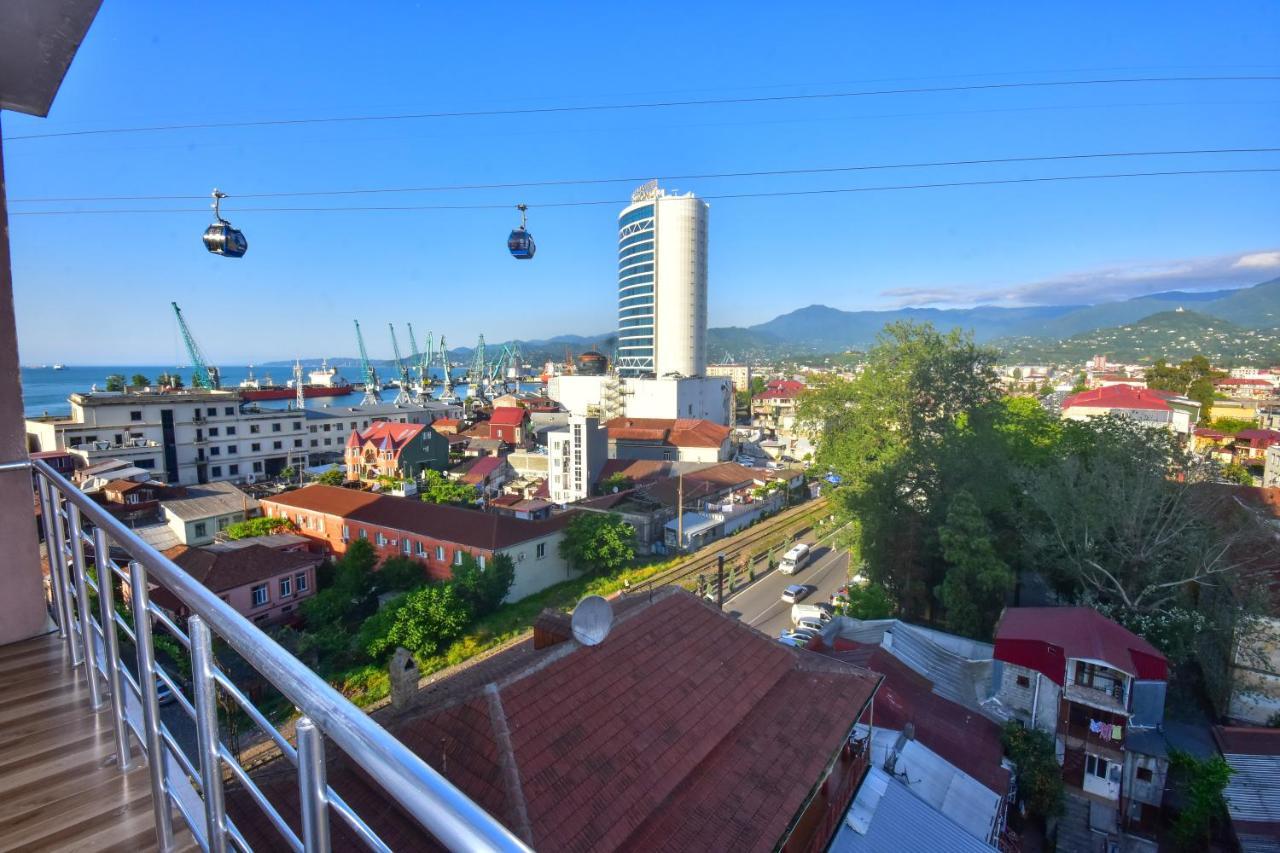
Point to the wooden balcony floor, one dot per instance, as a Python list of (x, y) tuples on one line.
[(57, 789)]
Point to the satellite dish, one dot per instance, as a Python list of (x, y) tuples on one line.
[(592, 619)]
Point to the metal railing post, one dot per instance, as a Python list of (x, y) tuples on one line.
[(206, 702), (313, 789), (82, 603), (141, 600), (58, 563), (55, 581), (111, 647)]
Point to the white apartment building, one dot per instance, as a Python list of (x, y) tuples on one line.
[(575, 456), (662, 284), (738, 374), (185, 437), (707, 398)]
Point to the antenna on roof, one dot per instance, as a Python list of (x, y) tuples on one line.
[(592, 619)]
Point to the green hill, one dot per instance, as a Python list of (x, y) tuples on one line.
[(1171, 335)]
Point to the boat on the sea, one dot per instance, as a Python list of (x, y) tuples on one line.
[(324, 382), (59, 367)]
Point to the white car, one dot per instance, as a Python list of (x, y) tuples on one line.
[(814, 625), (794, 593), (796, 638)]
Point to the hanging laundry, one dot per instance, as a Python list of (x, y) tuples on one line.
[(1116, 733), (1095, 726), (1105, 731)]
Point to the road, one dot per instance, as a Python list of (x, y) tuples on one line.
[(760, 605)]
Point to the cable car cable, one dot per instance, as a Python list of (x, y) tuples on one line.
[(615, 201), (757, 99), (706, 176)]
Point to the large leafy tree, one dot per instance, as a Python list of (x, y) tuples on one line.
[(1193, 378), (139, 380), (484, 589), (891, 434), (423, 621), (115, 382), (438, 489), (977, 581), (599, 542)]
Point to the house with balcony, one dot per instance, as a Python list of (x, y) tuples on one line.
[(1099, 690), (774, 408), (401, 451)]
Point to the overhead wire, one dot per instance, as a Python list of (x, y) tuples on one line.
[(671, 177), (754, 99), (711, 197)]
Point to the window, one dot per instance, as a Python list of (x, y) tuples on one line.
[(1023, 681), (277, 445), (312, 428), (419, 549), (300, 581), (224, 523), (362, 533), (542, 550), (229, 410), (286, 608), (259, 595), (216, 471), (408, 546), (379, 538), (346, 533), (275, 426), (286, 587), (480, 562), (215, 451), (253, 428), (257, 467), (201, 529), (328, 441), (440, 553), (457, 557), (297, 425), (353, 424), (1144, 774), (135, 416), (233, 470), (297, 442), (231, 430), (255, 447), (232, 449), (325, 427), (211, 411), (213, 431), (315, 442)]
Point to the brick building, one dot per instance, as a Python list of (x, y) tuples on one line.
[(434, 534)]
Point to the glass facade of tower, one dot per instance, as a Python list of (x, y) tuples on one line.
[(636, 300)]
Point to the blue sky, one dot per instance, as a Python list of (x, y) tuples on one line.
[(97, 288)]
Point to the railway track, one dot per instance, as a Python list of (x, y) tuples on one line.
[(755, 542)]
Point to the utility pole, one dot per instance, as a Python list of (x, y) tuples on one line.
[(720, 580), (680, 512)]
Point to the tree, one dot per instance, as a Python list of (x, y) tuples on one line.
[(1237, 473), (886, 433), (598, 542), (869, 601), (1193, 378), (262, 526), (139, 380), (1039, 776), (484, 589), (288, 473), (436, 488), (349, 594), (332, 477), (977, 582), (400, 574), (1202, 784), (423, 621), (115, 382), (169, 380)]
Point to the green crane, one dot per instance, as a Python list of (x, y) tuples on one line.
[(403, 396), (479, 374), (416, 364), (202, 374), (371, 394), (448, 374)]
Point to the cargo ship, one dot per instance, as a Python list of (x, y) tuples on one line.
[(325, 382)]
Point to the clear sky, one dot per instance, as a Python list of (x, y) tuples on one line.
[(97, 288)]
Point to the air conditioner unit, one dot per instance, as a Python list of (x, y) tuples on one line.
[(520, 557)]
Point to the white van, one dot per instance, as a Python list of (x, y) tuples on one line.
[(794, 560), (821, 612)]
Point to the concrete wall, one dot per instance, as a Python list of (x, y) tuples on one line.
[(1021, 699), (278, 607), (706, 398)]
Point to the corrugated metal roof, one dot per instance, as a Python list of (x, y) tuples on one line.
[(887, 818), (208, 500), (1253, 793)]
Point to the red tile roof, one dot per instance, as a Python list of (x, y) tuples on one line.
[(683, 730), (638, 470), (1259, 438), (1118, 397), (482, 468), (678, 432), (781, 389), (1042, 638), (1232, 380), (224, 570), (386, 435), (508, 416), (469, 527), (962, 736)]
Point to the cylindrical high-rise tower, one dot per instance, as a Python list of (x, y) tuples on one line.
[(662, 284)]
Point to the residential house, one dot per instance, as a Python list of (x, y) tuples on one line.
[(519, 506), (434, 534), (329, 427), (400, 451), (1250, 446), (1252, 793), (1245, 388), (1143, 405), (683, 729), (129, 499), (264, 584), (1099, 690), (669, 439), (202, 512), (487, 474), (509, 424), (775, 407)]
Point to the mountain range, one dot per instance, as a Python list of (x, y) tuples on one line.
[(1225, 315)]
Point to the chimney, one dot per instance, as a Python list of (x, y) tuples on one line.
[(404, 679), (551, 628)]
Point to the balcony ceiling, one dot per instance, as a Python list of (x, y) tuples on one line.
[(38, 40)]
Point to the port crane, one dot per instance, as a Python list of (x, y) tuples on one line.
[(403, 397), (203, 375), (371, 394), (418, 365), (448, 374), (478, 376)]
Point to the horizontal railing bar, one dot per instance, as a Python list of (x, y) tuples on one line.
[(435, 803), (258, 797), (172, 627), (16, 465), (257, 716), (355, 824)]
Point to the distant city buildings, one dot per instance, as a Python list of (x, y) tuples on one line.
[(738, 374), (1149, 407)]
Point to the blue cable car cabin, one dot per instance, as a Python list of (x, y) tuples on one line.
[(221, 239), (521, 244)]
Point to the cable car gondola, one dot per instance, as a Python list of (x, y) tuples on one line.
[(520, 243), (220, 238)]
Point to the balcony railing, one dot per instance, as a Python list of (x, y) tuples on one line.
[(84, 541)]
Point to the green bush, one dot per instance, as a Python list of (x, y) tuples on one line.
[(1039, 776), (263, 526)]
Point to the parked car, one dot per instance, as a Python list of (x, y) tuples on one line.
[(795, 637), (794, 593), (821, 612), (810, 624)]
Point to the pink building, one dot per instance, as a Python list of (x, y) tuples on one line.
[(264, 584)]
